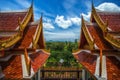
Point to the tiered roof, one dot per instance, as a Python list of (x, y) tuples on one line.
[(22, 47), (112, 18), (9, 20), (99, 45)]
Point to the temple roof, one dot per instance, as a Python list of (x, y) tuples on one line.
[(20, 45), (9, 20), (112, 19), (113, 68), (102, 33), (27, 37), (38, 59), (87, 60), (12, 69), (97, 36)]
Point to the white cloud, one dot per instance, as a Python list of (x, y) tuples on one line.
[(108, 7), (76, 20), (61, 22), (48, 26), (60, 36), (86, 16), (104, 7), (66, 23)]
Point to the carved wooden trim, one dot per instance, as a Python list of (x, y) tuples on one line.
[(103, 26), (87, 35), (98, 19), (15, 38), (112, 40), (38, 34)]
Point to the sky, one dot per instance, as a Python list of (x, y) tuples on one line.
[(61, 18)]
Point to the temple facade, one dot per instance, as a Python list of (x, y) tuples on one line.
[(22, 45), (99, 46)]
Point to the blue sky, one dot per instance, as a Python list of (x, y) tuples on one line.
[(61, 18)]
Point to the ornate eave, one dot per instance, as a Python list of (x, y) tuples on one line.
[(39, 39), (87, 35), (22, 25), (103, 26)]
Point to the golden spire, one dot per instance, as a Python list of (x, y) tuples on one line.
[(41, 34)]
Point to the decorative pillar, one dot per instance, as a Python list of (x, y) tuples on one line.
[(39, 74), (83, 74)]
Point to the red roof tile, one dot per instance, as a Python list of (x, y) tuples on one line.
[(4, 38), (9, 21), (38, 59), (87, 60), (27, 37), (12, 68), (113, 20), (98, 37), (113, 68)]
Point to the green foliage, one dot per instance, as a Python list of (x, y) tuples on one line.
[(61, 50)]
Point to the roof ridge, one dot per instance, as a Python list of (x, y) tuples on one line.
[(14, 11), (98, 10)]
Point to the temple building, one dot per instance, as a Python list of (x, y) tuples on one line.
[(99, 46), (22, 45)]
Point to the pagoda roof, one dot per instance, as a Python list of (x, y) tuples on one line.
[(12, 69), (98, 38), (108, 12), (113, 67), (102, 61), (90, 62), (22, 48), (112, 19), (38, 59), (27, 36), (9, 20), (14, 11), (4, 38), (108, 23), (87, 60)]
